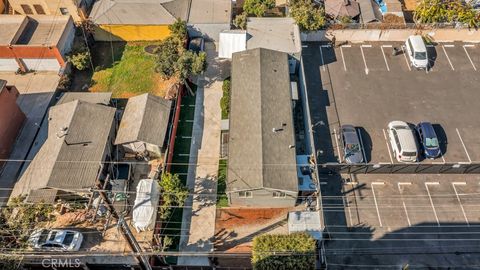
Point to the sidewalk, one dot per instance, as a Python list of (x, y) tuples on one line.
[(198, 223)]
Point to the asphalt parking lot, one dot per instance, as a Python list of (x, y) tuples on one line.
[(366, 86), (421, 220)]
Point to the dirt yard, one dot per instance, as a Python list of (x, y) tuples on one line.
[(410, 4), (236, 227)]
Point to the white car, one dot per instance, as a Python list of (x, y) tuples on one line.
[(403, 141), (417, 52), (56, 240)]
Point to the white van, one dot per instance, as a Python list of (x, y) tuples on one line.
[(417, 52), (402, 141)]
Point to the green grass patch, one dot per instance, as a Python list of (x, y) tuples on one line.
[(134, 74), (222, 199)]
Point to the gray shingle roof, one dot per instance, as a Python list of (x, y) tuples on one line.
[(95, 98), (261, 102), (145, 119), (70, 158), (139, 12)]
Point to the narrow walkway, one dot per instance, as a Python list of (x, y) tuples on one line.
[(198, 222)]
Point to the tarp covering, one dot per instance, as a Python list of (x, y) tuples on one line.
[(146, 204)]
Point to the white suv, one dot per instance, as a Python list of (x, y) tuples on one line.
[(402, 141), (417, 52)]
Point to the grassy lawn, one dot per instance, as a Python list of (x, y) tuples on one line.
[(132, 75), (222, 200)]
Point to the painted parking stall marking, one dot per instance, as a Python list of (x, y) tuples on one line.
[(463, 144), (465, 46), (384, 57), (446, 54), (343, 56), (375, 200), (321, 56), (363, 56), (431, 201), (460, 201), (400, 190)]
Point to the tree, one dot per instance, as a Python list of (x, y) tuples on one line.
[(258, 7), (167, 56), (240, 20), (308, 16), (278, 251), (174, 193), (173, 60), (441, 11), (178, 28)]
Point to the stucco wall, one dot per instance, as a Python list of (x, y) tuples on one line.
[(262, 198), (131, 32), (210, 32), (31, 52), (11, 120)]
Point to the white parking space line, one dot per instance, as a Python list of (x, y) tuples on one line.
[(441, 155), (448, 58), (405, 56), (431, 201), (385, 58), (363, 148), (363, 56), (323, 183), (345, 199), (468, 55), (375, 200), (343, 58), (464, 147), (403, 201), (388, 147), (323, 61), (338, 147), (459, 201)]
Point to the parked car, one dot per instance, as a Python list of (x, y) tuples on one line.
[(56, 240), (352, 149), (417, 52), (196, 44), (428, 140), (402, 141), (119, 186)]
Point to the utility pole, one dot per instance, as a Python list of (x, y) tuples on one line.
[(127, 234)]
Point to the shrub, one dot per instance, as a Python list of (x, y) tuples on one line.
[(80, 60), (294, 251), (225, 100), (452, 11), (174, 193), (240, 21), (258, 7)]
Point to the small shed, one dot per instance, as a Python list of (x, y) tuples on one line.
[(144, 125), (232, 41), (305, 221)]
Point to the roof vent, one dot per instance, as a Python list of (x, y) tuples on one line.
[(63, 132)]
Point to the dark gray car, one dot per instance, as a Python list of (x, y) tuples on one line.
[(352, 149)]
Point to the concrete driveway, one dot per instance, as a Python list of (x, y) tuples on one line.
[(36, 93)]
